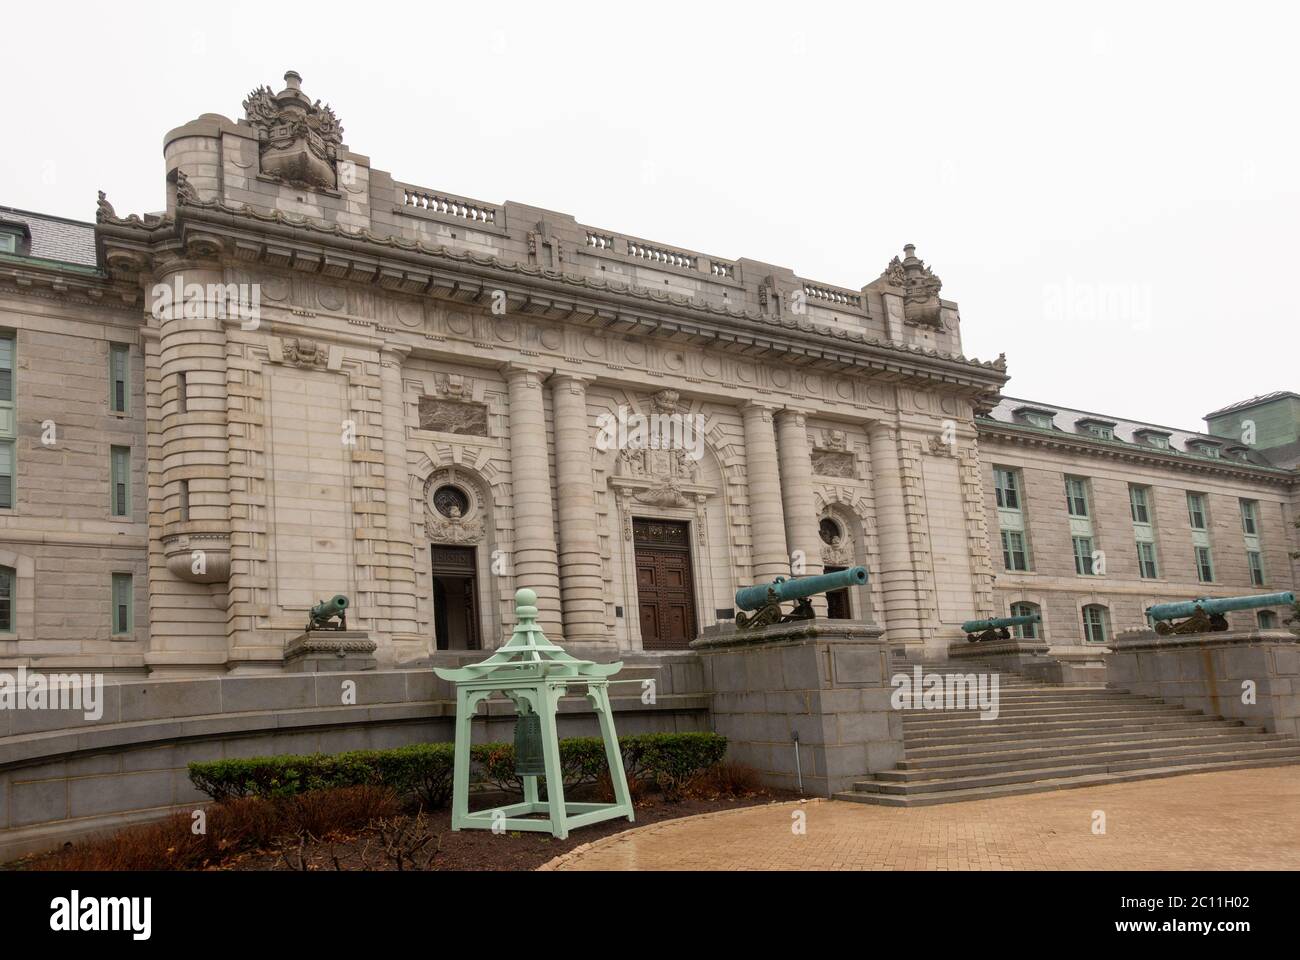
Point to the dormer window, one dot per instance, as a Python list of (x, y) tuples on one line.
[(1239, 452), (1206, 448), (1153, 438), (1036, 417), (1101, 429), (14, 238)]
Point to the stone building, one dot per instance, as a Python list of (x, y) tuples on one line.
[(305, 377)]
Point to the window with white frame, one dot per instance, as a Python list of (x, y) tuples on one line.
[(1006, 484), (120, 478), (1250, 517), (8, 420), (1204, 565), (1076, 496), (1255, 561), (123, 603), (1147, 568), (119, 377), (1196, 510), (1027, 631), (1083, 556), (1096, 628), (1139, 503), (6, 474), (1014, 556), (8, 583), (1008, 488)]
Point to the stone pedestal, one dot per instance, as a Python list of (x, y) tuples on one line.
[(330, 651), (1217, 673), (1014, 654), (825, 680)]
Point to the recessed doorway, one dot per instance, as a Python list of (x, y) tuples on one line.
[(455, 598), (665, 590)]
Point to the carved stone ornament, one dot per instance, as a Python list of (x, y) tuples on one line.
[(442, 415), (941, 448), (299, 140), (452, 529), (451, 508), (833, 458), (665, 401), (185, 191), (920, 287), (837, 553), (667, 494), (305, 353)]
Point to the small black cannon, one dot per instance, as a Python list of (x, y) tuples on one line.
[(325, 613), (995, 628), (765, 599)]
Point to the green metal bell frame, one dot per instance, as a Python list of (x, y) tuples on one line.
[(535, 674)]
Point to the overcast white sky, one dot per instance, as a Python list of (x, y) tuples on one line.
[(1109, 191)]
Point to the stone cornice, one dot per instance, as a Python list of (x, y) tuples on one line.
[(1116, 450), (130, 246), (53, 280)]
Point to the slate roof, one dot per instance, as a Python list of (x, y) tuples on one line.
[(54, 238), (1066, 421), (1252, 402)]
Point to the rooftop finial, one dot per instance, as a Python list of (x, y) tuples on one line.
[(909, 249), (293, 80)]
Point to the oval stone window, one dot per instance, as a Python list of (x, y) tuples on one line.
[(830, 530), (451, 502)]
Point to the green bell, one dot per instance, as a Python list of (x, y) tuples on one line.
[(529, 761)]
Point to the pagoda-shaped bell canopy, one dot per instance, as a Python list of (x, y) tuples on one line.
[(535, 674)]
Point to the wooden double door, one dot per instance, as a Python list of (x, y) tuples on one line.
[(665, 591)]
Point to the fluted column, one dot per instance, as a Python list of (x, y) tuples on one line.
[(534, 557), (766, 517), (400, 549), (896, 572), (581, 586), (802, 532)]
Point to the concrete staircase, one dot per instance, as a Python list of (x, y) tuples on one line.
[(1051, 737)]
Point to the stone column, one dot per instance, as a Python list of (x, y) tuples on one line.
[(581, 587), (399, 549), (534, 559), (802, 532), (766, 518), (894, 567)]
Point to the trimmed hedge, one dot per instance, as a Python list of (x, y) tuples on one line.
[(423, 771)]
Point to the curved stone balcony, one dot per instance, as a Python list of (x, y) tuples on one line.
[(198, 557)]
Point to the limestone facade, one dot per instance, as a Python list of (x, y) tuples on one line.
[(338, 382)]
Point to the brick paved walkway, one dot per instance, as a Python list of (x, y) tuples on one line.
[(1237, 820)]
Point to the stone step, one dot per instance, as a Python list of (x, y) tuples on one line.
[(1067, 768), (1019, 761), (1063, 783), (1004, 723), (1033, 699), (952, 755), (1032, 732), (920, 716)]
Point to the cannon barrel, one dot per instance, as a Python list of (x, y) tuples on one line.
[(994, 623), (1185, 608), (752, 598), (330, 608)]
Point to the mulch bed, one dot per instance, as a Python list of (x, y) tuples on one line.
[(475, 849)]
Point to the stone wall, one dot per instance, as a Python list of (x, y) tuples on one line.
[(1247, 675), (62, 777)]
